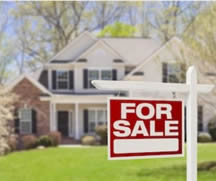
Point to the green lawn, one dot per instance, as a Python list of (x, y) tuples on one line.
[(91, 164)]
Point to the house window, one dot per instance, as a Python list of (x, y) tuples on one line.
[(92, 75), (96, 118), (172, 72), (62, 80), (106, 75), (98, 75), (25, 116)]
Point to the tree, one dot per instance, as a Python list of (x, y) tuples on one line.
[(200, 37), (7, 100), (44, 28), (118, 30), (6, 45), (169, 19)]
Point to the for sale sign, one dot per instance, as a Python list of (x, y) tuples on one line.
[(139, 128)]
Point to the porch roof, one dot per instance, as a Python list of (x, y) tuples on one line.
[(77, 99)]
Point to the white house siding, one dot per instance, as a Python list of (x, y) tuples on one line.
[(153, 72), (98, 58)]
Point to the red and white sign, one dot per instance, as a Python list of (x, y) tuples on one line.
[(139, 128)]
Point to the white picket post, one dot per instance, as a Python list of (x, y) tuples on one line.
[(191, 80)]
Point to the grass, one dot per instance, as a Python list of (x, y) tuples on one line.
[(91, 164)]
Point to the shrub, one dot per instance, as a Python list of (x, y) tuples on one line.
[(12, 142), (45, 141), (204, 138), (102, 132), (207, 165), (212, 128), (88, 140), (29, 141), (55, 137)]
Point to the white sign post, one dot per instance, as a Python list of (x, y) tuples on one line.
[(191, 88)]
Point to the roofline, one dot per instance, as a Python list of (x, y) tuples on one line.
[(94, 45), (34, 82), (71, 43), (149, 58)]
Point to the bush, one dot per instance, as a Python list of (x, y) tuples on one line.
[(29, 141), (45, 141), (212, 128), (204, 138), (102, 132), (12, 142), (207, 165), (88, 140), (55, 137)]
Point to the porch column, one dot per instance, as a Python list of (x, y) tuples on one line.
[(77, 121)]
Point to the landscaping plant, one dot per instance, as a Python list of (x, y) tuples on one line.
[(212, 128), (55, 136), (102, 132), (7, 100)]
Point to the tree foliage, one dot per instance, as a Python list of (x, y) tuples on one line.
[(118, 29), (7, 100)]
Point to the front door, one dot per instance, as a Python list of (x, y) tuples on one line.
[(63, 120)]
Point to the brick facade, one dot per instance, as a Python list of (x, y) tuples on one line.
[(29, 96)]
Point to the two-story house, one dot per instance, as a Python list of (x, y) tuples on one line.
[(60, 96)]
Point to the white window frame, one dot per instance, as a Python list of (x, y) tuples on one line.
[(57, 80), (22, 121), (99, 70), (96, 110)]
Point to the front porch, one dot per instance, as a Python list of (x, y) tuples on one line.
[(76, 116)]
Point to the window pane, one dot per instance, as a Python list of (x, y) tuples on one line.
[(92, 75), (106, 75), (25, 114), (101, 117), (25, 127), (173, 72), (25, 121), (91, 126), (62, 85), (62, 79), (91, 116), (62, 75)]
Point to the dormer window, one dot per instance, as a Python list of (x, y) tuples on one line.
[(62, 80)]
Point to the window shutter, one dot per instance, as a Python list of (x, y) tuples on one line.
[(114, 74), (16, 122), (200, 118), (54, 80), (71, 78), (85, 125), (85, 78), (164, 72), (34, 121)]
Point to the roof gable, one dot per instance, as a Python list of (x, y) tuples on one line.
[(103, 44), (175, 44), (70, 52), (33, 81)]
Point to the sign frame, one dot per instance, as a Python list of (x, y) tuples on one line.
[(143, 157)]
